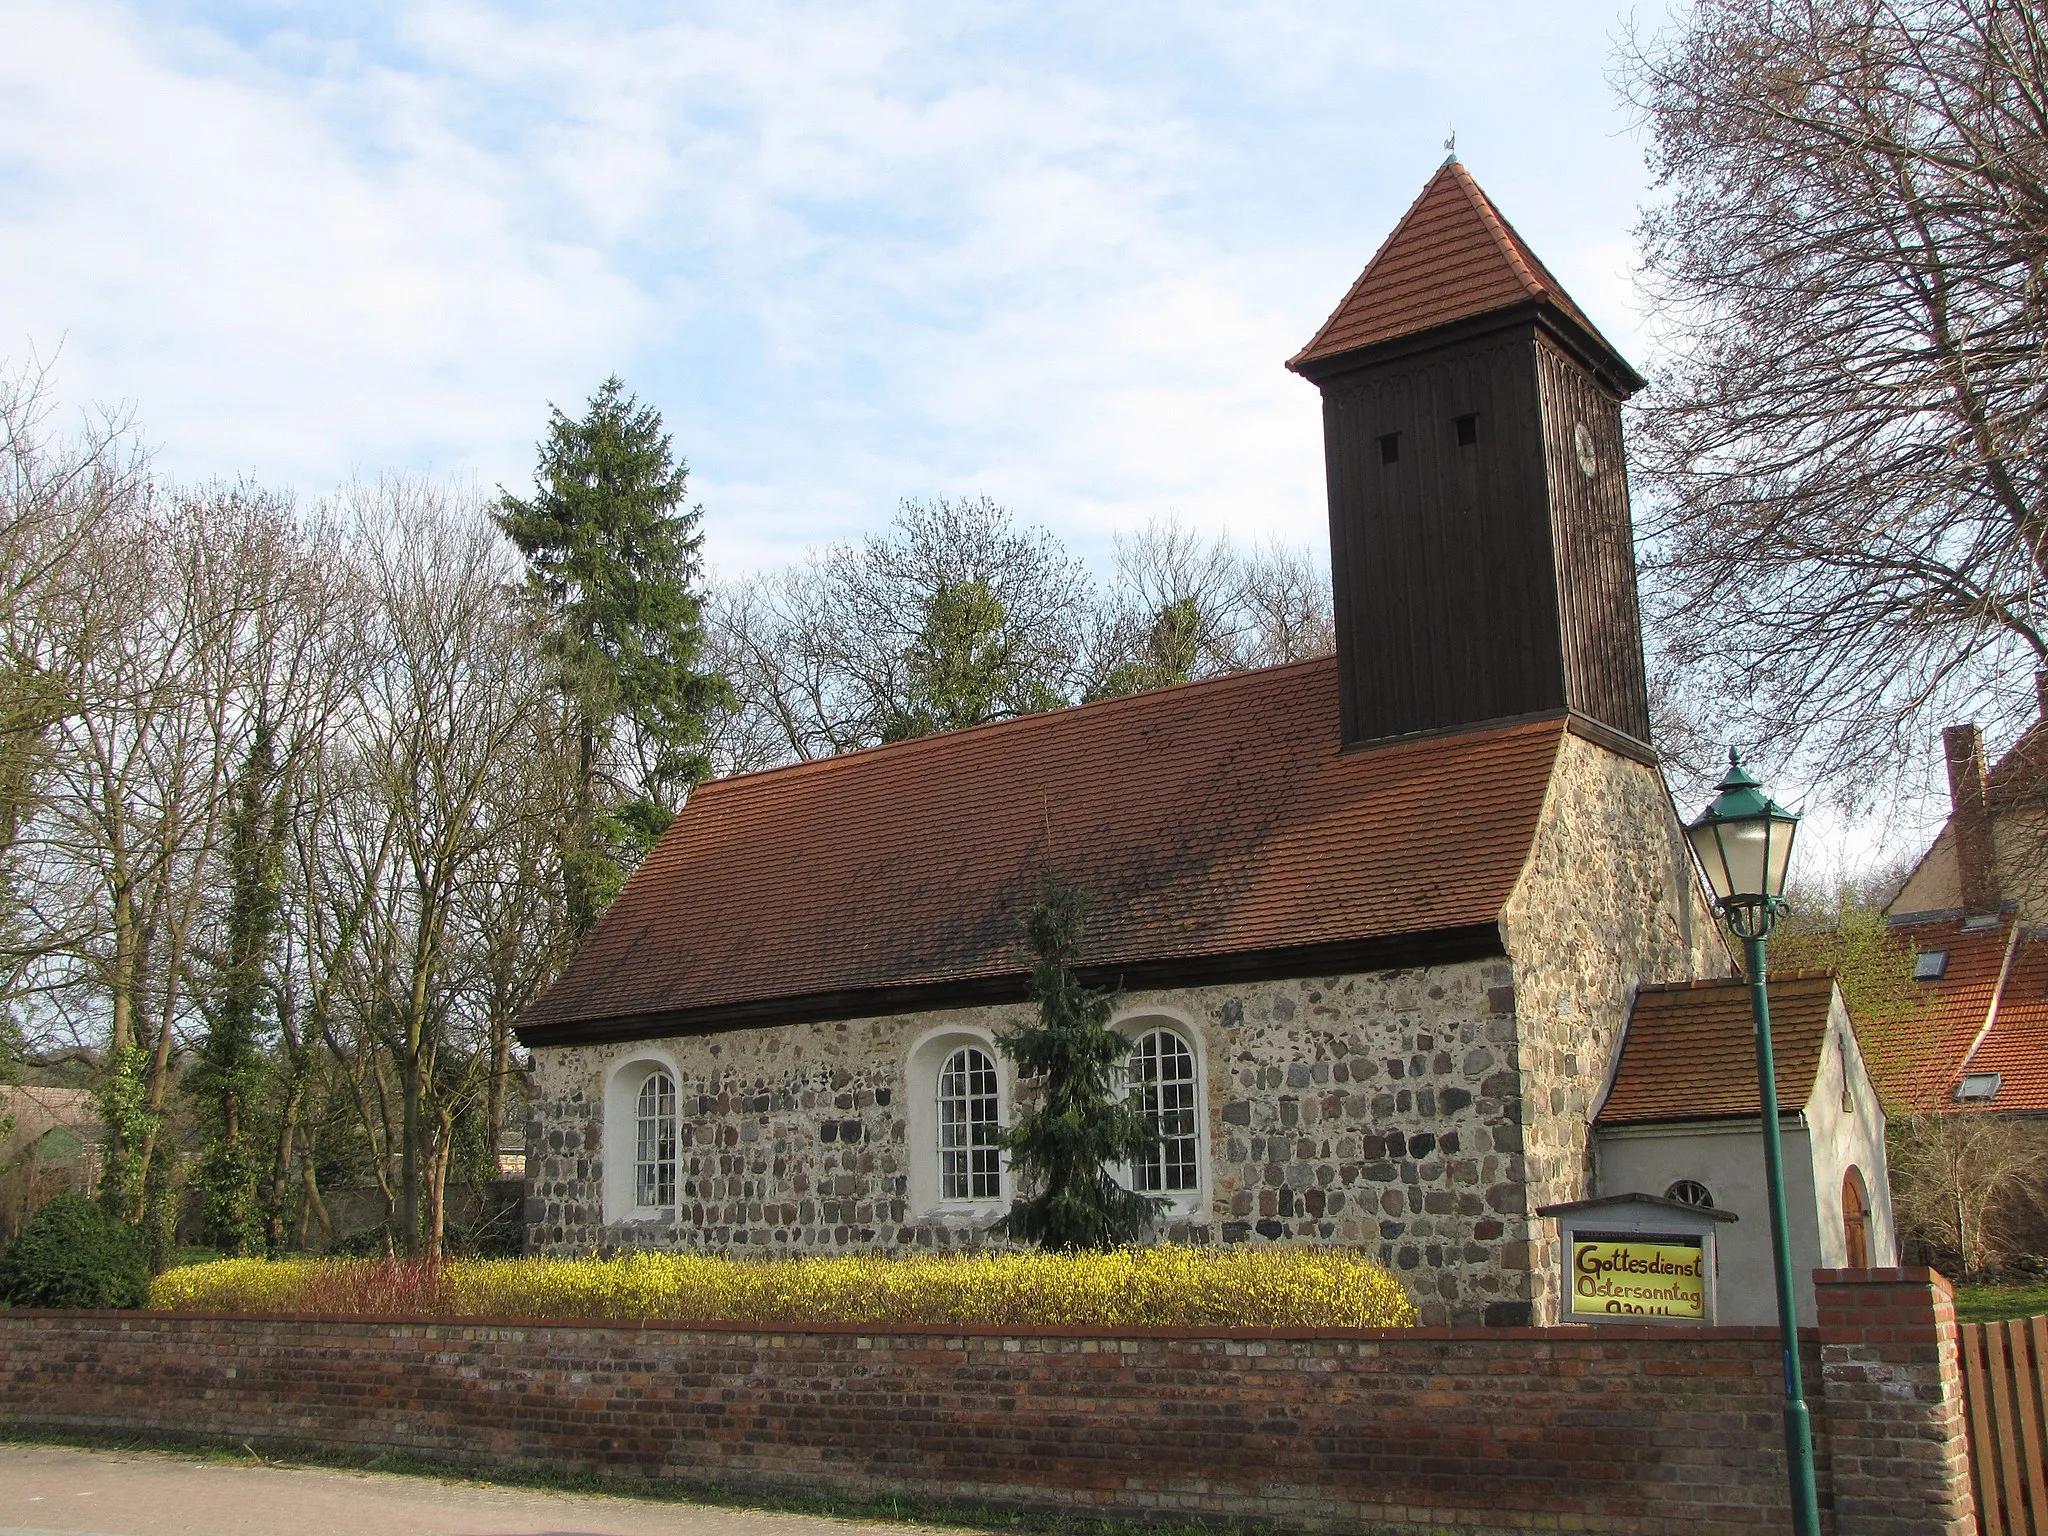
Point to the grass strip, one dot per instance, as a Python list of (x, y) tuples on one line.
[(1996, 1303), (891, 1511)]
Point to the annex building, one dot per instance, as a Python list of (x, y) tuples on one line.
[(1377, 920)]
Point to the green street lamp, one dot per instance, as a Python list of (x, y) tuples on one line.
[(1744, 844)]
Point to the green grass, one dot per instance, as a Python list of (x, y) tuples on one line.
[(1995, 1303), (905, 1511)]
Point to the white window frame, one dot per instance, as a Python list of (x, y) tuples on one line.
[(619, 1144), (655, 1165), (969, 1103), (923, 1064), (1182, 1204), (1178, 1124)]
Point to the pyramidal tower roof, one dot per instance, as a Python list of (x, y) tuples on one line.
[(1451, 257)]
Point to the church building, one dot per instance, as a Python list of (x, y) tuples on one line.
[(1375, 921)]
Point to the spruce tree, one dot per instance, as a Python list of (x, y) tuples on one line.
[(1087, 1118), (612, 558)]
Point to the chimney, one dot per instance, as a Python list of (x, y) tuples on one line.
[(1480, 550), (1970, 818)]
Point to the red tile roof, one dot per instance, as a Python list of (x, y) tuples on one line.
[(1918, 1064), (1452, 256), (1690, 1050), (1217, 818)]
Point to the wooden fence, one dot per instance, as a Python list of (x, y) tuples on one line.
[(2005, 1397)]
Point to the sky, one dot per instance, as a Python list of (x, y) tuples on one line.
[(1052, 253)]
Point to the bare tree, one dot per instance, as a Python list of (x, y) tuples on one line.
[(1845, 523), (954, 616), (455, 691), (277, 795), (1183, 607), (1962, 1183), (55, 492), (1287, 607), (1174, 612)]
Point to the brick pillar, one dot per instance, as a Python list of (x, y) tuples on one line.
[(1892, 1376)]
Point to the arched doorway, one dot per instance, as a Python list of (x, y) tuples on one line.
[(1856, 1219)]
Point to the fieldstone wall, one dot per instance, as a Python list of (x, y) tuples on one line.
[(1418, 1114), (1375, 1111), (1607, 902)]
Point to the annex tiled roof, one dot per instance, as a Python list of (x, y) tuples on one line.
[(1918, 1063), (1690, 1050), (1215, 818), (1452, 256)]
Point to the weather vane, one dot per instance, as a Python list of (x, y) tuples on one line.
[(1451, 144)]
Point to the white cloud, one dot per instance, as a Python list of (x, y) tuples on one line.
[(854, 253)]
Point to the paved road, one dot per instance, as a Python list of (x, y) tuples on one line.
[(45, 1490)]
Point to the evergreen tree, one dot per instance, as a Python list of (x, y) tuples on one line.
[(612, 558), (1087, 1118)]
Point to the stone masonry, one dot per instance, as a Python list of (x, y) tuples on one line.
[(1420, 1114), (1368, 1111), (1608, 902)]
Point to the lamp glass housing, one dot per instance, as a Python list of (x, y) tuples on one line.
[(1744, 840)]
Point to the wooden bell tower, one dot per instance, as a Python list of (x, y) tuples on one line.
[(1480, 543)]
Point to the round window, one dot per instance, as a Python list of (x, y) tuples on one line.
[(1691, 1192)]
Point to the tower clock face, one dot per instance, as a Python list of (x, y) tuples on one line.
[(1582, 444)]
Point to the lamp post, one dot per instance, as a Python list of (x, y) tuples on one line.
[(1744, 843)]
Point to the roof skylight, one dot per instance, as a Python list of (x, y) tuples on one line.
[(1930, 965), (1978, 1087)]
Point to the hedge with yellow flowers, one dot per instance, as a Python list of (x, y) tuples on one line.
[(1161, 1287)]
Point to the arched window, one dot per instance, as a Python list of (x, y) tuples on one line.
[(1163, 1073), (1691, 1192), (654, 1143), (1855, 1220), (970, 1163)]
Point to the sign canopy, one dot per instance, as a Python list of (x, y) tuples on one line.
[(1637, 1259)]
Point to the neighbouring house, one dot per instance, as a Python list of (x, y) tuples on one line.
[(1975, 910), (1375, 920), (1682, 1115), (50, 1141)]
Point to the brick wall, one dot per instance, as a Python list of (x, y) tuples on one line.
[(1624, 1429), (1892, 1378), (1401, 1431)]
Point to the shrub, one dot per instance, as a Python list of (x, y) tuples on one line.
[(73, 1254), (1164, 1287)]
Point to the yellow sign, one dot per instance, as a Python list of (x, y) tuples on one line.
[(1628, 1274)]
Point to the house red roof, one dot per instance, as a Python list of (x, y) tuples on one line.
[(1918, 1064), (1690, 1050), (1216, 819), (1451, 257)]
